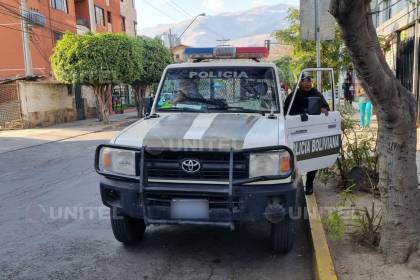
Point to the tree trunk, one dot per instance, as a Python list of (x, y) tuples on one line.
[(396, 108), (104, 97), (139, 93)]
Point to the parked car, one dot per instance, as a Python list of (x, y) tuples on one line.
[(215, 149)]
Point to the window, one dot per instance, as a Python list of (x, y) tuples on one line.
[(384, 11), (108, 15), (397, 6), (123, 24), (135, 28), (60, 5), (57, 36), (99, 16), (374, 7), (219, 89)]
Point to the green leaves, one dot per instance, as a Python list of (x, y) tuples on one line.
[(154, 58), (333, 53), (285, 70), (95, 59)]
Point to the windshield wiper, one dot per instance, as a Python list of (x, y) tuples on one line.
[(179, 109), (218, 103), (239, 109), (245, 110)]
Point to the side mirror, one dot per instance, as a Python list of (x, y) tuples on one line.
[(314, 105), (147, 105)]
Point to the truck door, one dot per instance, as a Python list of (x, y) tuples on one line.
[(316, 138)]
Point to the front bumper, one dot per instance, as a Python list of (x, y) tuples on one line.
[(247, 204), (243, 200)]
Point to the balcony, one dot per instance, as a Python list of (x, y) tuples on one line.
[(82, 26)]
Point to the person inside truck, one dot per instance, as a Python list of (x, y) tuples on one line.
[(187, 90), (299, 107)]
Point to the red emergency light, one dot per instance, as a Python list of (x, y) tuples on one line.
[(252, 52)]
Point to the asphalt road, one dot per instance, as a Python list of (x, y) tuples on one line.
[(53, 226)]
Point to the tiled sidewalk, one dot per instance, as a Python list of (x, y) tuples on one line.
[(12, 140)]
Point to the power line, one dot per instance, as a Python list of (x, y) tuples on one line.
[(182, 10), (26, 10), (159, 10), (174, 4), (47, 18), (388, 7), (8, 27), (176, 7), (35, 43), (30, 32), (38, 48), (13, 14)]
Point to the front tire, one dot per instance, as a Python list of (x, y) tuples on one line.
[(127, 230), (282, 235)]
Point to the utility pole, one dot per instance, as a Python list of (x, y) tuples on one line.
[(27, 59), (170, 38), (223, 42), (170, 43), (318, 46), (416, 62)]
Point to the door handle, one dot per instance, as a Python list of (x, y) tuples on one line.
[(302, 131), (332, 126)]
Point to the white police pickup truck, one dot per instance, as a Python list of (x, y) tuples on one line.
[(216, 148)]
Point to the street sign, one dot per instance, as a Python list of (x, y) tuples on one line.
[(307, 20)]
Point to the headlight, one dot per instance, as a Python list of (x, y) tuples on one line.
[(269, 164), (116, 161)]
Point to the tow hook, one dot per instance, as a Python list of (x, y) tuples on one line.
[(275, 212)]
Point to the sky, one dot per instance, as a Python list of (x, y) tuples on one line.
[(154, 12)]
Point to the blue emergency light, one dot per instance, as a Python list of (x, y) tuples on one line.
[(226, 53)]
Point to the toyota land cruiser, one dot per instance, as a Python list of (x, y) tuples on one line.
[(217, 148)]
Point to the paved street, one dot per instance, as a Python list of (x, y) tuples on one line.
[(53, 226)]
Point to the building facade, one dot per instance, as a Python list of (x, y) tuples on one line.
[(40, 100), (60, 16), (128, 17), (395, 22), (178, 53)]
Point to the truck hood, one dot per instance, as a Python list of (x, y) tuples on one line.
[(202, 131)]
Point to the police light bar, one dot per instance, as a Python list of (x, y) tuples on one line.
[(226, 53)]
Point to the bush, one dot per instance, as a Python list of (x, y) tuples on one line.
[(357, 159)]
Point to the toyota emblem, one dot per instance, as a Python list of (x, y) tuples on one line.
[(191, 166)]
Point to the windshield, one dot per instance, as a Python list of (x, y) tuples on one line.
[(221, 89)]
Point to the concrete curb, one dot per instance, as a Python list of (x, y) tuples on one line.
[(323, 265)]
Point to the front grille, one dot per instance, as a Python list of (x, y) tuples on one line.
[(214, 166), (164, 199)]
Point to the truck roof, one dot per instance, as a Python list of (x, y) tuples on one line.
[(222, 63)]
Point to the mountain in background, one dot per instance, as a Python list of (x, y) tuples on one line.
[(244, 28)]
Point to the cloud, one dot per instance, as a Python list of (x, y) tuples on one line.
[(213, 5)]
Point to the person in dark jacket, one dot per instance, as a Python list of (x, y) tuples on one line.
[(299, 107)]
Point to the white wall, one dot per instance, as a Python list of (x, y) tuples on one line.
[(43, 97), (89, 96), (45, 103)]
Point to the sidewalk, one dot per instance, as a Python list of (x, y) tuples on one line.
[(12, 140)]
